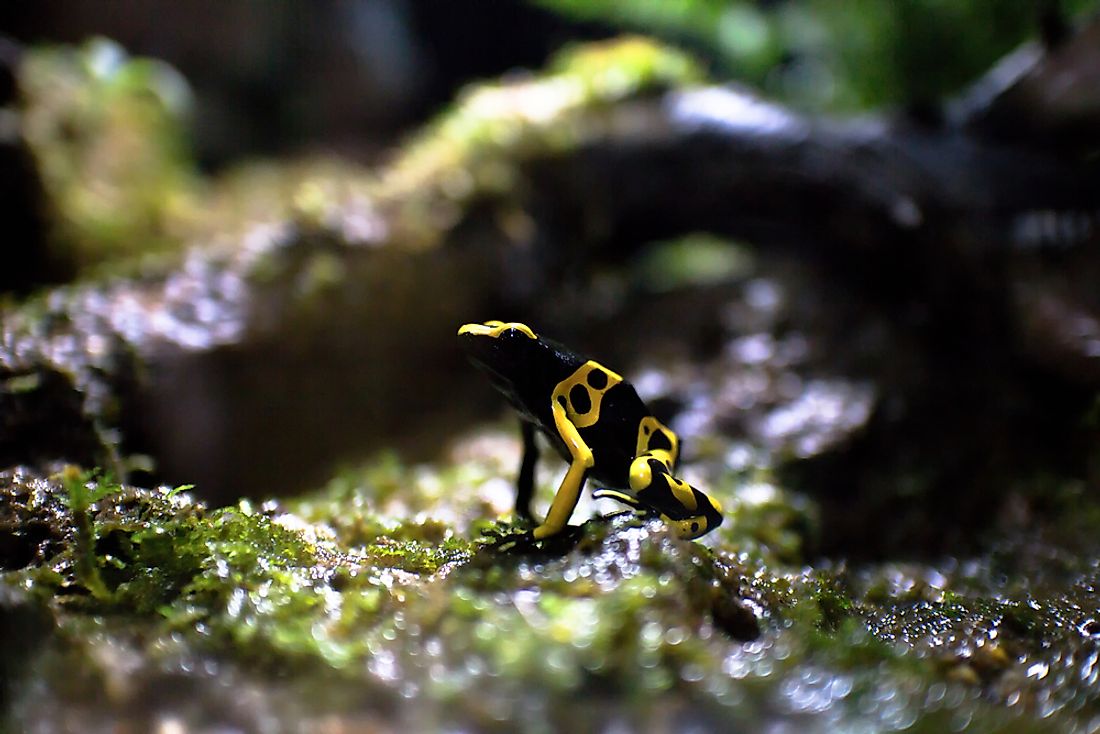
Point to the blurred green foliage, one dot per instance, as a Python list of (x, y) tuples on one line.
[(473, 149), (836, 54), (108, 134), (696, 259)]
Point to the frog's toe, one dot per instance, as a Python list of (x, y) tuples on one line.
[(626, 499), (545, 531), (527, 543)]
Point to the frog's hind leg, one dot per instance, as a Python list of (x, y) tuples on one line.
[(525, 483), (687, 510)]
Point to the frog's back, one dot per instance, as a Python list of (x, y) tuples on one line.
[(614, 437), (604, 407)]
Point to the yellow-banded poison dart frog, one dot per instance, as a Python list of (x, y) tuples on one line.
[(596, 422)]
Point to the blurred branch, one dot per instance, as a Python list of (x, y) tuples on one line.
[(1043, 94)]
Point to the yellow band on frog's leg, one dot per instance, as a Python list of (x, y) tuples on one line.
[(659, 440), (641, 475), (570, 490), (650, 477), (643, 467)]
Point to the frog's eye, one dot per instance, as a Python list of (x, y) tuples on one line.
[(514, 328)]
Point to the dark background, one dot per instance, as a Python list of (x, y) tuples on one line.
[(272, 78)]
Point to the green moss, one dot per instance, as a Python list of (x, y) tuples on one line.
[(251, 580), (766, 521), (625, 67), (81, 490), (388, 501)]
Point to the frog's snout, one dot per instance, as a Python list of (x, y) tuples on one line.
[(474, 343), (497, 329)]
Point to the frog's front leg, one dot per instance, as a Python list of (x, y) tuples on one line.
[(525, 483), (570, 490)]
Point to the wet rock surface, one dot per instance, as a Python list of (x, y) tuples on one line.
[(419, 615)]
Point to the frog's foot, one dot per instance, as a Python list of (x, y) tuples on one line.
[(520, 537), (529, 542), (544, 531), (629, 500), (515, 543)]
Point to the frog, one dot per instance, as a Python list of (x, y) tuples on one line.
[(595, 420)]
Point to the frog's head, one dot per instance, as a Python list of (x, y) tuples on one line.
[(503, 349)]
